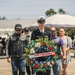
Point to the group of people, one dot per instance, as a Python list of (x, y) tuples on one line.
[(18, 41), (2, 46)]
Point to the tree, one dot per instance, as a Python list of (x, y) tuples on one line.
[(50, 12), (61, 11), (0, 18), (3, 18)]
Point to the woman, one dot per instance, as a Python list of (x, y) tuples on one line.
[(68, 44)]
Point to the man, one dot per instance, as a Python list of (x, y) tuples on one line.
[(27, 35), (53, 33), (4, 46), (60, 44), (28, 38), (16, 51), (41, 32), (1, 46)]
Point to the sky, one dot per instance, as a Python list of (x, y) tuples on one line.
[(29, 9)]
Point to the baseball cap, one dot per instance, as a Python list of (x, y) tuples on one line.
[(18, 27), (26, 29)]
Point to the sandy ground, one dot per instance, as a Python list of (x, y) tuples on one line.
[(5, 68)]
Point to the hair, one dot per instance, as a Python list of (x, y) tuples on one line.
[(52, 28), (62, 29)]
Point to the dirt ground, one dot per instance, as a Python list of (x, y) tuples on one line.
[(5, 68)]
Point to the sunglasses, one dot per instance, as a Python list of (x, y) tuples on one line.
[(26, 30), (53, 31), (18, 30), (61, 31)]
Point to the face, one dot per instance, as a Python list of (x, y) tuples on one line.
[(26, 32), (41, 25), (18, 31), (61, 32), (53, 30)]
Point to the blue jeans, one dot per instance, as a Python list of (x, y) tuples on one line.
[(18, 64), (56, 67), (74, 54)]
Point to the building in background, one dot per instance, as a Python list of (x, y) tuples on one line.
[(7, 26)]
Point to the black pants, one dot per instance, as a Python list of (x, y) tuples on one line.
[(28, 70), (41, 73)]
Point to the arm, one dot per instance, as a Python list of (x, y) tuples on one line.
[(69, 43), (67, 49), (9, 51), (50, 36), (27, 39), (9, 48), (33, 36), (63, 53)]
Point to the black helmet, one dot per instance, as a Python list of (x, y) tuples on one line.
[(18, 27)]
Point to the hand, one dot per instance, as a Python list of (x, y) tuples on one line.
[(61, 53), (64, 57), (9, 60)]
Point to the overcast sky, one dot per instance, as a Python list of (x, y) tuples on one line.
[(29, 9)]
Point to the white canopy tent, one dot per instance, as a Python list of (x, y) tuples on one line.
[(60, 20)]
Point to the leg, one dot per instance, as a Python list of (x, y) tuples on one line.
[(74, 53), (21, 65), (33, 72), (56, 67), (64, 54), (47, 73), (1, 52), (14, 67), (41, 73), (28, 69), (65, 69), (60, 72)]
